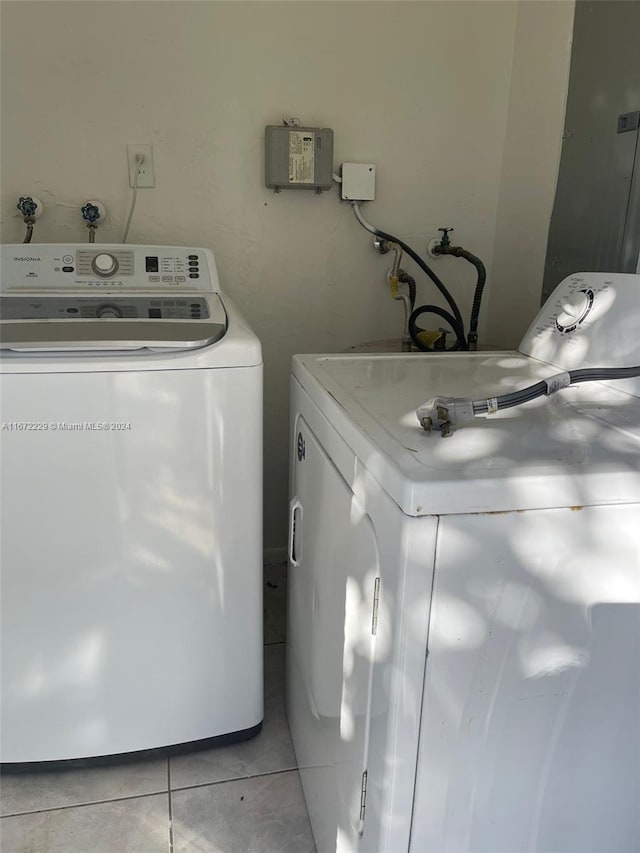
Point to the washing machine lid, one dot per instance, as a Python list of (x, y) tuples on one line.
[(49, 321), (579, 447)]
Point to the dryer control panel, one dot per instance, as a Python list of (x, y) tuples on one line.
[(107, 267), (590, 320)]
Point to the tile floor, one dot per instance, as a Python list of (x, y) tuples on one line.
[(242, 798)]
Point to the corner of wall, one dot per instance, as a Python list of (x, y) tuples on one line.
[(531, 158)]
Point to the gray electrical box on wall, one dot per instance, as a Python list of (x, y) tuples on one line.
[(298, 158)]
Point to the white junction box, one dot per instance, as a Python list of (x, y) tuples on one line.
[(358, 181)]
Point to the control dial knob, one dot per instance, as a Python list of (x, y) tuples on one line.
[(104, 264), (574, 309), (106, 311)]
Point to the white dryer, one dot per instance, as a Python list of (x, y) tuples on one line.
[(463, 666), (131, 444)]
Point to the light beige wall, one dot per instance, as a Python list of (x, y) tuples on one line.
[(539, 82), (420, 88)]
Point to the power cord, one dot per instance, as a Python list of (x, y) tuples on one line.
[(445, 413), (134, 195)]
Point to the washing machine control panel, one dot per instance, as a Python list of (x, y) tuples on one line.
[(108, 297), (114, 267)]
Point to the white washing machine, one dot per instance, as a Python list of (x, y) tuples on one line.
[(131, 443), (463, 666)]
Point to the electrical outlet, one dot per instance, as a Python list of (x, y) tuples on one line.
[(146, 172)]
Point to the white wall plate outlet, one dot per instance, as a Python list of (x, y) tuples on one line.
[(146, 171)]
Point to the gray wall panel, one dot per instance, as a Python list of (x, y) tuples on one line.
[(631, 246), (595, 224)]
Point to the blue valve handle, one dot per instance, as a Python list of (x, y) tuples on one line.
[(27, 206), (90, 213)]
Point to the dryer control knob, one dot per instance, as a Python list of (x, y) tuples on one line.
[(104, 264), (105, 311), (574, 309)]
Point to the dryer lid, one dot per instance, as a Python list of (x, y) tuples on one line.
[(578, 447)]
